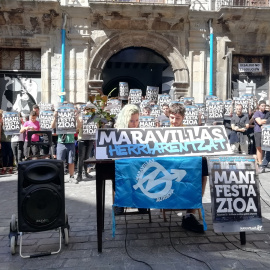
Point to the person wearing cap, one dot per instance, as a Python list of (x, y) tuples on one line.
[(66, 149), (85, 144)]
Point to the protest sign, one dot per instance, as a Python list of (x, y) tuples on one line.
[(164, 98), (45, 120), (210, 97), (114, 106), (152, 93), (215, 111), (135, 96), (156, 110), (244, 102), (265, 137), (228, 110), (123, 90), (196, 141), (235, 194), (45, 106), (191, 116), (252, 100), (144, 103), (11, 123), (89, 127), (147, 122), (165, 123), (66, 120), (201, 109), (188, 100)]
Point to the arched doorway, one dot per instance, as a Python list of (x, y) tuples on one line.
[(139, 67)]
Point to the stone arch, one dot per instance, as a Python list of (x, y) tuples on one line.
[(152, 41)]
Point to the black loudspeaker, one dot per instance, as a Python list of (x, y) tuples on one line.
[(41, 195)]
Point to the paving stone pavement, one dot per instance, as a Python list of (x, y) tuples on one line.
[(162, 245)]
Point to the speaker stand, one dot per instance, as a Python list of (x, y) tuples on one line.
[(43, 253)]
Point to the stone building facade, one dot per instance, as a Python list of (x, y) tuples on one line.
[(178, 31)]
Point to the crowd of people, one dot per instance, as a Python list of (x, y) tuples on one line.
[(243, 130)]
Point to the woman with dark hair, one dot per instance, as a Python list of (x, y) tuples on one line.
[(32, 125)]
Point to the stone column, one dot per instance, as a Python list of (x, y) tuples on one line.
[(45, 74)]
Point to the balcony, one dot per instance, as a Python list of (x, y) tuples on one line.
[(244, 3), (162, 2)]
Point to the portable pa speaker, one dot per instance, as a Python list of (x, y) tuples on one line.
[(41, 195)]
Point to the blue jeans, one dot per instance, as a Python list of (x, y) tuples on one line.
[(84, 151), (266, 159)]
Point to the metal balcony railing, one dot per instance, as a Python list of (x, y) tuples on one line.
[(245, 3)]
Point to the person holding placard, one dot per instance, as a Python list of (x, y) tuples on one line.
[(266, 158), (66, 150), (85, 143), (5, 146), (32, 125), (17, 142), (189, 221), (146, 111), (259, 120), (164, 116), (239, 124)]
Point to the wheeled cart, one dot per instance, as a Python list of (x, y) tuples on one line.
[(41, 200)]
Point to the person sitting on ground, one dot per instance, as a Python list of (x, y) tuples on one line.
[(189, 221)]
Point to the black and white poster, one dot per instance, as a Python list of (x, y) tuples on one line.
[(156, 111), (123, 90), (45, 106), (210, 97), (191, 116), (147, 122), (152, 93), (89, 127), (114, 106), (45, 120), (66, 120), (164, 98), (165, 123), (244, 102), (11, 123), (144, 103), (135, 96), (252, 100), (265, 143), (235, 194), (150, 142), (201, 109), (188, 100), (19, 92), (228, 109), (215, 111)]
